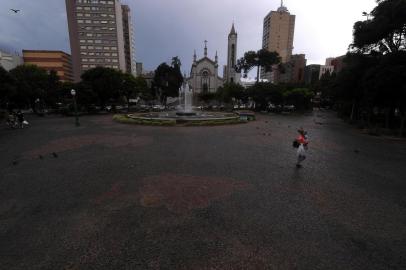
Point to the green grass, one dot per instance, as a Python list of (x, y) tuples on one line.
[(171, 122), (149, 122)]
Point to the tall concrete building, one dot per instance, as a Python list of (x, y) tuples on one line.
[(58, 61), (129, 47), (278, 33), (97, 35), (294, 70)]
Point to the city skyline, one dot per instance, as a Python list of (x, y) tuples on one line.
[(319, 32)]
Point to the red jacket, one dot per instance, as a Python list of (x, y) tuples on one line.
[(302, 140)]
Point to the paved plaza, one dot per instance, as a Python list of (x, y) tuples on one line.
[(113, 196)]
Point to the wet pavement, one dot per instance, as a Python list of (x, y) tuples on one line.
[(112, 196)]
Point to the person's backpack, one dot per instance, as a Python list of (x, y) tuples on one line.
[(295, 144)]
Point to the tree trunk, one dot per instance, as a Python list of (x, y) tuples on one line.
[(402, 124), (258, 74), (352, 112), (387, 117)]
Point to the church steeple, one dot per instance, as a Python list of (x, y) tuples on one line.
[(231, 55), (216, 58), (232, 32), (205, 48), (194, 57)]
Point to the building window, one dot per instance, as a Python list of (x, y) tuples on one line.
[(82, 41), (114, 48), (97, 41), (83, 47), (90, 41), (80, 21), (104, 22), (205, 81), (90, 47), (107, 48)]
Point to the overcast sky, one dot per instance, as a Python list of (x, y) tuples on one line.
[(166, 28)]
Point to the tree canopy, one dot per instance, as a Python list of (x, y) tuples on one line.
[(260, 59), (168, 79), (385, 32), (106, 83)]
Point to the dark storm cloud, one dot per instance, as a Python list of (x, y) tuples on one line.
[(167, 28)]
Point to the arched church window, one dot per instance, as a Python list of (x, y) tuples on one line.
[(205, 81)]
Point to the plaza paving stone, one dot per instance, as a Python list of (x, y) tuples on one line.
[(113, 196)]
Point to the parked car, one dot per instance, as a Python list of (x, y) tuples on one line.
[(288, 108), (274, 108)]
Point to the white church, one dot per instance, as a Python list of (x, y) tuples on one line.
[(204, 76)]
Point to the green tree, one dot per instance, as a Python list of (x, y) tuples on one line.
[(264, 92), (385, 32), (104, 82), (53, 89), (260, 59), (7, 89), (229, 91), (299, 97), (128, 88), (168, 80), (207, 97), (31, 82)]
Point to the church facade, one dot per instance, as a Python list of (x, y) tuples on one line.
[(204, 76)]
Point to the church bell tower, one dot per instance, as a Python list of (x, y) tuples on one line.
[(232, 56)]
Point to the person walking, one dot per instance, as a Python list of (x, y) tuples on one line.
[(20, 119), (301, 143)]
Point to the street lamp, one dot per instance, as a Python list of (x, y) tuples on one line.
[(73, 93), (257, 62)]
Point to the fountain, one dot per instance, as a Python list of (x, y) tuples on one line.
[(188, 97), (185, 115)]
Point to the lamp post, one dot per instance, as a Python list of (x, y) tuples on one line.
[(73, 93), (257, 61)]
